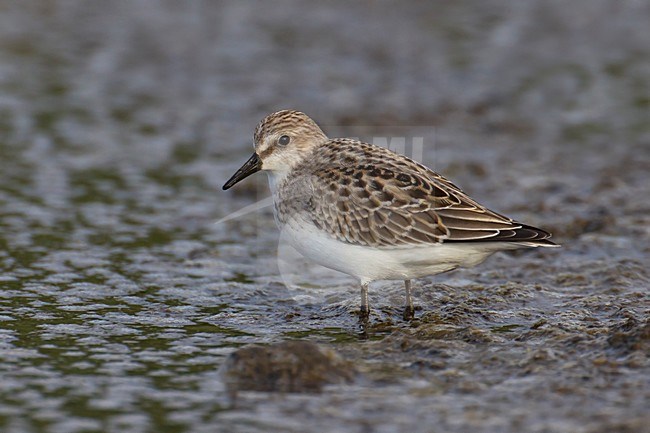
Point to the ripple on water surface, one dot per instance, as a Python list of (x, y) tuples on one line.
[(120, 300)]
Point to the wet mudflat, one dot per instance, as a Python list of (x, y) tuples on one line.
[(122, 302)]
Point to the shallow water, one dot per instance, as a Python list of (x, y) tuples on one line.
[(121, 299)]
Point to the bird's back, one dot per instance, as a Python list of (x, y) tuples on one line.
[(367, 195)]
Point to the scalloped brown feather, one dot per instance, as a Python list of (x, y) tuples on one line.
[(367, 195)]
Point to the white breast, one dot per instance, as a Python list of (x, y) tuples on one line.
[(369, 264)]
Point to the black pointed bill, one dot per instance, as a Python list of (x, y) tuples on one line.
[(253, 165)]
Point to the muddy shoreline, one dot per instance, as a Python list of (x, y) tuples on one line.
[(121, 300)]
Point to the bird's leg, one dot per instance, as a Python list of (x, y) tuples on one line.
[(409, 311), (364, 313)]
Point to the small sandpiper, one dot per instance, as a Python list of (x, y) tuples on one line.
[(371, 213)]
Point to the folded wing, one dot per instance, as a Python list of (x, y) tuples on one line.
[(373, 197)]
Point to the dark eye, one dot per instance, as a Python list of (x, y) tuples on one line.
[(284, 140)]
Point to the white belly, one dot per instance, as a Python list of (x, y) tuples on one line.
[(369, 264)]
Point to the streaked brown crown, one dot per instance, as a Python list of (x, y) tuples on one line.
[(285, 121)]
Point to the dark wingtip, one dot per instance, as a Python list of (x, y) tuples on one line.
[(531, 234), (524, 234)]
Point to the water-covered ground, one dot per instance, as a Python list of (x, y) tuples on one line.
[(121, 299)]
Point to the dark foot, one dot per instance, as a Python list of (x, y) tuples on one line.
[(409, 313)]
